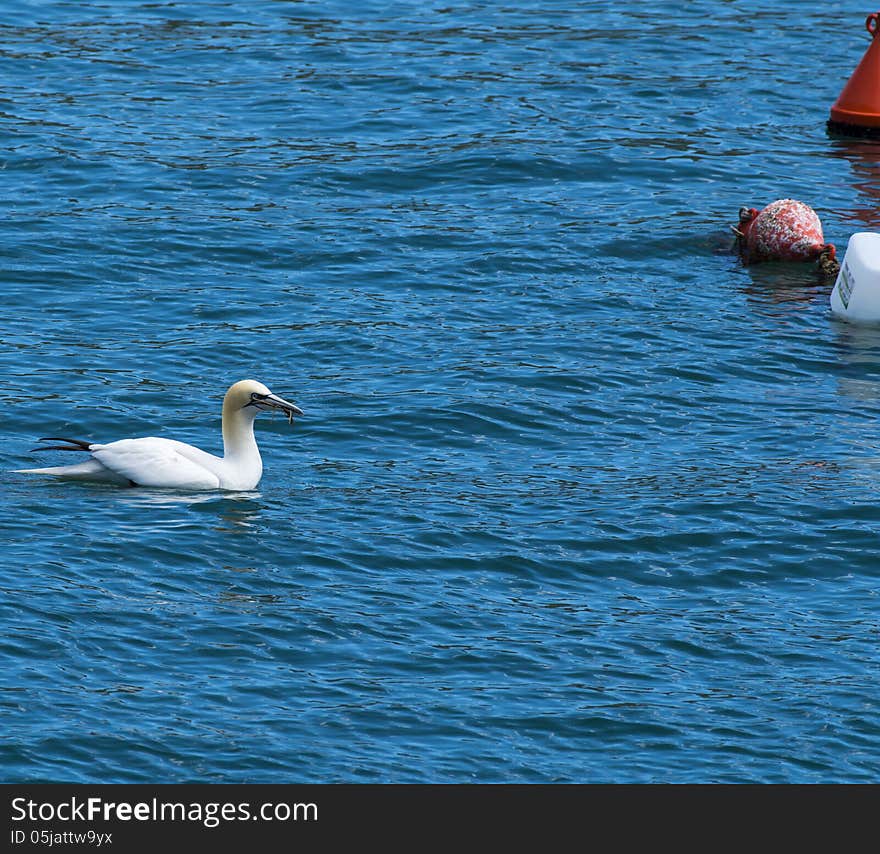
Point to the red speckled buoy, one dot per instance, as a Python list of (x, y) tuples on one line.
[(786, 230)]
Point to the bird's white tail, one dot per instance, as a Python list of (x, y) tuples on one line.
[(89, 470)]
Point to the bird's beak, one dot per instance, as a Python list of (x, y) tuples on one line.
[(272, 401)]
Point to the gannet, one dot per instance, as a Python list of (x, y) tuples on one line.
[(151, 461)]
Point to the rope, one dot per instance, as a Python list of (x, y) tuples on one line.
[(827, 262)]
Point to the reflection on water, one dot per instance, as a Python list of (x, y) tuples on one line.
[(857, 343), (784, 287), (858, 348), (237, 512), (863, 156), (237, 598), (237, 519), (172, 498), (859, 389)]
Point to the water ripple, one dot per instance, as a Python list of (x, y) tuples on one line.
[(577, 496)]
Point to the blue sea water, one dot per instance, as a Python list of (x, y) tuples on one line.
[(577, 497)]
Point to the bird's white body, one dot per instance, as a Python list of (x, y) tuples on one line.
[(153, 461), (167, 463)]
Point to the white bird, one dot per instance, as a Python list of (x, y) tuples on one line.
[(167, 463)]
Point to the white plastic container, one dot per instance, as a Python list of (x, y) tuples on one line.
[(856, 293)]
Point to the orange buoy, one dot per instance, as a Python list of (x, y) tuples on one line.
[(785, 230), (857, 109)]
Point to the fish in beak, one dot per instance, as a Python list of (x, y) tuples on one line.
[(266, 402)]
